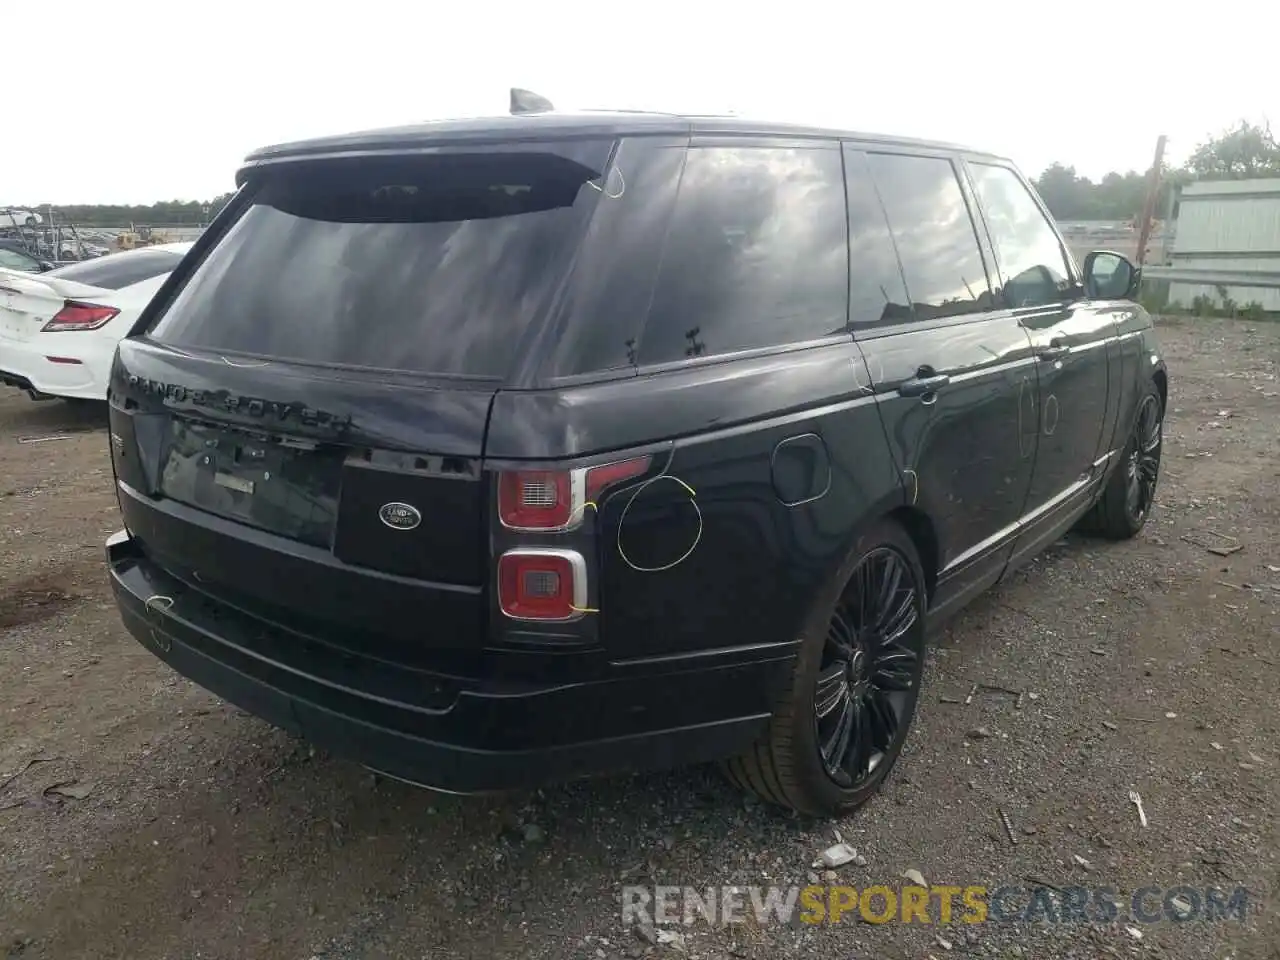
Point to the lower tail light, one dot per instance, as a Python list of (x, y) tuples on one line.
[(75, 315), (542, 584), (545, 500)]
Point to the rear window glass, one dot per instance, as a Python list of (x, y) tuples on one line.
[(118, 270), (12, 259), (433, 265)]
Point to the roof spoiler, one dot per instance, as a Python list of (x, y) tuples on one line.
[(526, 101), (43, 285)]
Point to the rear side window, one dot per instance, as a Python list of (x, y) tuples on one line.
[(607, 298), (432, 265), (118, 270), (934, 234), (756, 253), (877, 296), (1030, 256)]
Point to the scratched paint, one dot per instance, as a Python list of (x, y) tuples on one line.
[(1050, 414), (1026, 398), (679, 552)]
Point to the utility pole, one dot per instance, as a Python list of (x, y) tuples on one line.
[(1153, 193)]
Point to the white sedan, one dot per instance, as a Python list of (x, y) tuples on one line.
[(15, 217), (59, 330)]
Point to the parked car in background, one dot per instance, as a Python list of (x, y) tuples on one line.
[(59, 328), (15, 256), (491, 452), (19, 217)]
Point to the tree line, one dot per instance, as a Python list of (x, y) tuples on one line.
[(168, 212), (1244, 151)]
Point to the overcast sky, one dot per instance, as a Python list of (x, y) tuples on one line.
[(132, 101)]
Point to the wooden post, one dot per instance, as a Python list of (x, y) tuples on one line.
[(1149, 207)]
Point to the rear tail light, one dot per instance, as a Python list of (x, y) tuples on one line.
[(80, 316), (530, 500), (606, 475), (542, 584), (538, 500)]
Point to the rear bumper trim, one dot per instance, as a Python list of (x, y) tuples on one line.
[(475, 736), (39, 368)]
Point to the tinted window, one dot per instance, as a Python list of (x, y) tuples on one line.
[(934, 233), (437, 264), (1027, 249), (876, 291), (16, 260), (755, 256), (117, 270), (607, 299)]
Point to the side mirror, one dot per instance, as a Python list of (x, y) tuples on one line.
[(1110, 276), (46, 266)]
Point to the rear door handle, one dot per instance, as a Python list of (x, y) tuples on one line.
[(1056, 350), (923, 386)]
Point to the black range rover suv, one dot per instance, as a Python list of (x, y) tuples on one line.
[(487, 452)]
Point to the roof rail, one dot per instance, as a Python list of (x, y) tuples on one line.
[(647, 113), (526, 101)]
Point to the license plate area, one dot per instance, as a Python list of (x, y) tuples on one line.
[(274, 483), (15, 325)]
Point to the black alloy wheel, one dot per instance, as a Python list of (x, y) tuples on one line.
[(1143, 466), (867, 681), (841, 725), (1125, 504)]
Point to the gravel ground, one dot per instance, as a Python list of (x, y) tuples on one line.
[(142, 818)]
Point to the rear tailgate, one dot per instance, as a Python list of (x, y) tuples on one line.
[(361, 514), (29, 301)]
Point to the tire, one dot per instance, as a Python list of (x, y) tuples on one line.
[(1126, 501), (798, 763)]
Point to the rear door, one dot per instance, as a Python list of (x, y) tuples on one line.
[(1070, 339), (301, 427), (954, 375)]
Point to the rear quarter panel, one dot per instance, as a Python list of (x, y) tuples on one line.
[(743, 568)]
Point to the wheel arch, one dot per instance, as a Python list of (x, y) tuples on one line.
[(924, 535), (913, 521)]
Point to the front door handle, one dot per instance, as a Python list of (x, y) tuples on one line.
[(923, 386), (1055, 350)]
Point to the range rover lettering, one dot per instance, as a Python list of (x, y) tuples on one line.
[(614, 441)]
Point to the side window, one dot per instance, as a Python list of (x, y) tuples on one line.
[(756, 254), (934, 233), (877, 296), (13, 260), (1030, 256)]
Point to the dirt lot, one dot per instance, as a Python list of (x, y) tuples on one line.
[(189, 829)]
